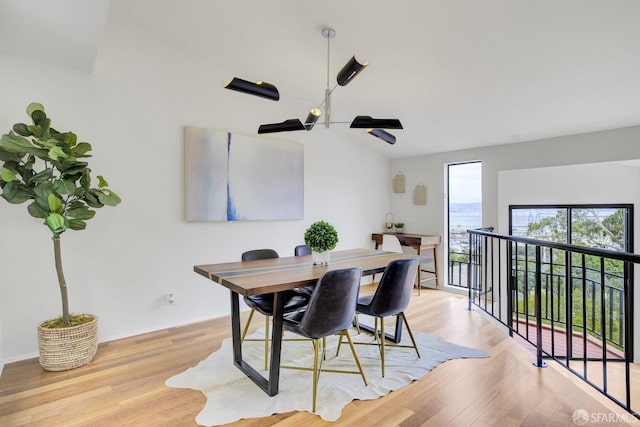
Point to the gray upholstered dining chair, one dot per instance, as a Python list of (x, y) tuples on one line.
[(391, 298), (330, 311), (263, 303), (301, 250)]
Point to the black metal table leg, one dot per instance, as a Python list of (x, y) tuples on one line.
[(269, 386), (276, 343)]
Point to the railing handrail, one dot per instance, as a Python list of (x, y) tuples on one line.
[(606, 253)]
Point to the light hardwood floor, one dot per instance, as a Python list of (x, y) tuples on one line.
[(124, 384)]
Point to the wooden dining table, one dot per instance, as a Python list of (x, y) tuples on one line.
[(278, 275)]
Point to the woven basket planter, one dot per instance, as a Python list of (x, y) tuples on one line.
[(62, 349)]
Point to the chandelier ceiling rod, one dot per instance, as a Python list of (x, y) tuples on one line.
[(328, 33)]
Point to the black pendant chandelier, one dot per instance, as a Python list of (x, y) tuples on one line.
[(350, 70)]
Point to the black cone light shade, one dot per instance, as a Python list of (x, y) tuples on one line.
[(383, 135), (286, 126), (261, 89), (351, 69), (366, 122)]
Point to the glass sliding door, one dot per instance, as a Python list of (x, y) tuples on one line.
[(580, 294)]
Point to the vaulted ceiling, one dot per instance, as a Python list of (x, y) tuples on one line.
[(457, 73)]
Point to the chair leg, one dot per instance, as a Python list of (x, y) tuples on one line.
[(382, 340), (246, 327), (376, 336), (266, 343), (316, 345), (355, 355), (324, 348), (357, 323), (410, 333)]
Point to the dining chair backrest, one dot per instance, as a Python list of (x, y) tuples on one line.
[(302, 250), (333, 303), (395, 288), (259, 254), (390, 243)]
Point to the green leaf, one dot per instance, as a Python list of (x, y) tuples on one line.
[(77, 224), (64, 186), (36, 211), (17, 144), (108, 197), (42, 194), (34, 106), (44, 128), (70, 138), (85, 181), (16, 192), (55, 204), (76, 204), (81, 213), (7, 175), (21, 129), (92, 200), (39, 118), (79, 192), (43, 176), (6, 156), (56, 152), (81, 149), (74, 168), (48, 144), (57, 136), (102, 182), (56, 223)]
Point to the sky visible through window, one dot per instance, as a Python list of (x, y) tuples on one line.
[(465, 212), (465, 196)]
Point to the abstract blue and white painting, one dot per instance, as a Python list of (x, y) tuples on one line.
[(235, 177)]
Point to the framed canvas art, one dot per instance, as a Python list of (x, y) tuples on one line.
[(235, 177)]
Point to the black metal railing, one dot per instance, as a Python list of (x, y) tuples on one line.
[(569, 303), (458, 267), (460, 260)]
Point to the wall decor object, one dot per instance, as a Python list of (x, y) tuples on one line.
[(420, 194), (235, 177), (349, 71), (398, 183)]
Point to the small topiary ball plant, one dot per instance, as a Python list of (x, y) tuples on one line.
[(321, 236)]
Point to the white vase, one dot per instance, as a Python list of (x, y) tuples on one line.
[(320, 258)]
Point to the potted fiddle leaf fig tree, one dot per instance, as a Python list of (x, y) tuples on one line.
[(48, 169), (321, 237)]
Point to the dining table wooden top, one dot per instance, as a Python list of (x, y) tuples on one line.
[(280, 274)]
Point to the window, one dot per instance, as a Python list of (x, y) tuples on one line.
[(464, 211)]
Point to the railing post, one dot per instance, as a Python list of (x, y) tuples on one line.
[(469, 306), (539, 362)]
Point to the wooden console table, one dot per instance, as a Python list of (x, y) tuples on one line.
[(420, 242)]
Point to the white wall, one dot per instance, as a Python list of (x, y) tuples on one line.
[(133, 109), (575, 184), (1, 359), (604, 146)]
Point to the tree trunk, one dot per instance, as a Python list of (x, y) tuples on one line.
[(61, 281)]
